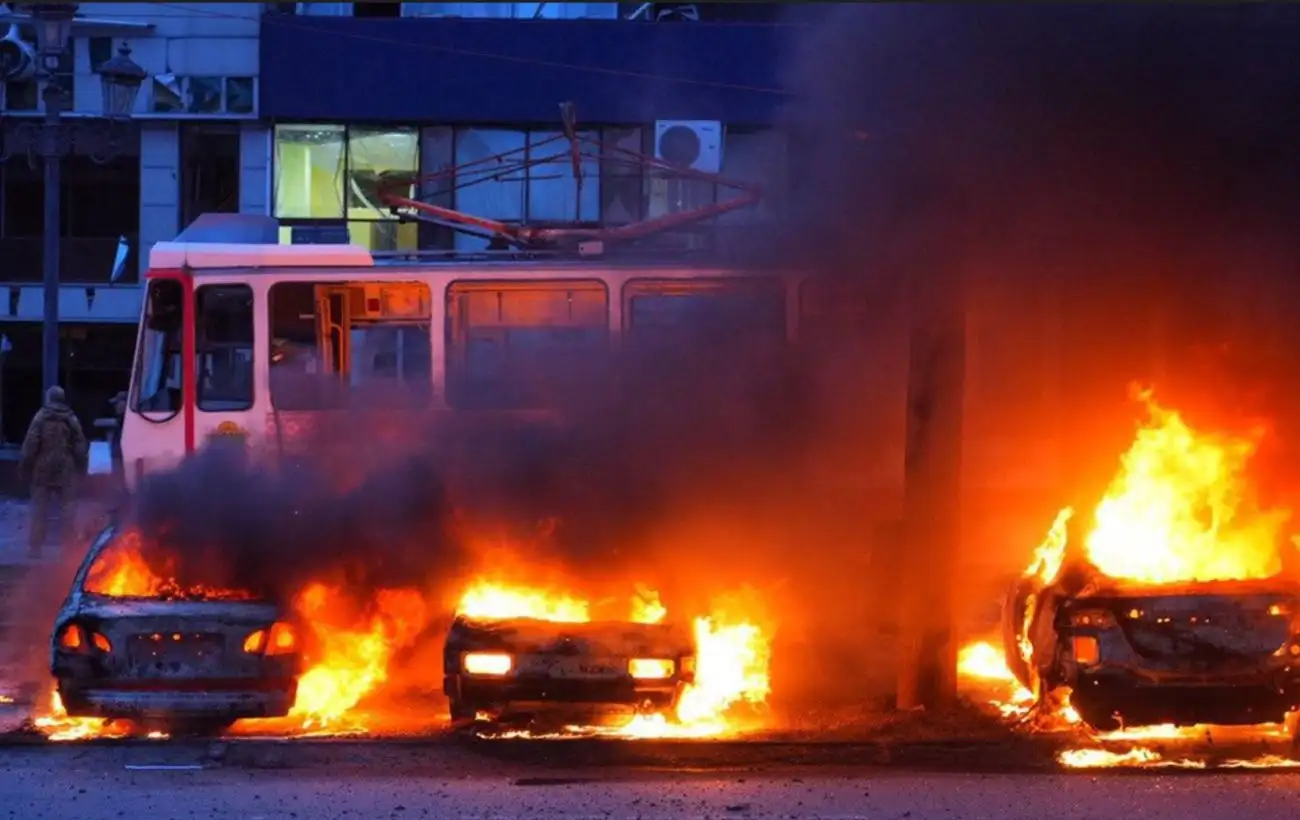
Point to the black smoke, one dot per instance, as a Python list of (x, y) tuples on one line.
[(1094, 165)]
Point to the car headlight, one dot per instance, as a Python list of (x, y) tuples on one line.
[(650, 668), (488, 664)]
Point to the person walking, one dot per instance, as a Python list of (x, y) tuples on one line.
[(55, 452)]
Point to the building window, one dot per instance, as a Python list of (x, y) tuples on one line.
[(553, 190), (330, 340), (309, 171), (100, 51), (516, 346), (379, 157), (209, 170), (208, 95), (224, 340)]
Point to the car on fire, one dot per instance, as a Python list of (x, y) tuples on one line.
[(526, 669), (187, 660), (1138, 654)]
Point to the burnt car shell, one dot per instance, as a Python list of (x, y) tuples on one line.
[(569, 668), (167, 659), (1223, 653)]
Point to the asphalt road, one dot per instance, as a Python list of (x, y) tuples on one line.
[(395, 781)]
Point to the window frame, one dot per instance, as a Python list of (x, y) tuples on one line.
[(138, 365), (199, 347)]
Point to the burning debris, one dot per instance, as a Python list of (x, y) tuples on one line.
[(1175, 609)]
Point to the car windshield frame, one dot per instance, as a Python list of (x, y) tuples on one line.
[(104, 542)]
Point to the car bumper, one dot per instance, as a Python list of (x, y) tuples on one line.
[(1142, 698), (226, 703), (542, 693)]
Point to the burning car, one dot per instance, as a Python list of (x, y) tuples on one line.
[(509, 658), (130, 644), (1174, 603), (1215, 652)]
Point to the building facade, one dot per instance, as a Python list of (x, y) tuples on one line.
[(295, 109)]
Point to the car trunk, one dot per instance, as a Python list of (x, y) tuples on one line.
[(164, 640)]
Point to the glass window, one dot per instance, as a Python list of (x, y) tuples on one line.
[(224, 341), (553, 192), (157, 387), (373, 155), (332, 339), (712, 313), (494, 183), (309, 171), (513, 347)]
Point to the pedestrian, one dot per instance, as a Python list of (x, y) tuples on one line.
[(55, 452)]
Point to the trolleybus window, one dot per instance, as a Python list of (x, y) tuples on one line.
[(712, 313), (512, 345), (157, 387), (224, 339), (331, 339)]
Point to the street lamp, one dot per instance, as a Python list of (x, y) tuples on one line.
[(52, 138)]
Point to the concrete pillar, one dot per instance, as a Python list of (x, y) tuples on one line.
[(160, 162), (255, 169)]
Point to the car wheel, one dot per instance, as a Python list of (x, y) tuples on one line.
[(1014, 607)]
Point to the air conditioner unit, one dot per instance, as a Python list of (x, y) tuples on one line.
[(17, 58), (694, 144)]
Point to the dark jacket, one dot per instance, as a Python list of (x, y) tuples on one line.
[(55, 451)]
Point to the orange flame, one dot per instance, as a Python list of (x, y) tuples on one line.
[(1180, 509), (122, 571)]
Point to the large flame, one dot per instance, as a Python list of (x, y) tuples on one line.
[(1180, 509), (353, 656)]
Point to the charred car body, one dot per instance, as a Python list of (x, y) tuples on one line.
[(1225, 652), (525, 668), (184, 660)]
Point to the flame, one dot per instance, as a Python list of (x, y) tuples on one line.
[(351, 659), (732, 656), (982, 667), (1179, 509), (123, 571), (56, 725), (493, 601)]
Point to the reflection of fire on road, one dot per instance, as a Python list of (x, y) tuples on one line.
[(1175, 538)]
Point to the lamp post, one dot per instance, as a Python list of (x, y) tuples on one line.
[(52, 138)]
